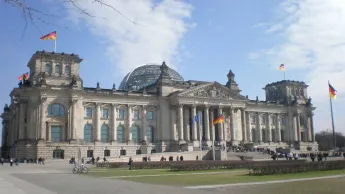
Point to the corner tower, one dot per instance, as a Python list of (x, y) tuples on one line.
[(55, 69), (286, 92)]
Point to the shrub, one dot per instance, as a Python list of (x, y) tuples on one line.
[(194, 165), (295, 167)]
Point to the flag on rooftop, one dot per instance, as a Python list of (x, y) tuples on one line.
[(50, 36)]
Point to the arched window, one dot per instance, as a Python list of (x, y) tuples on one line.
[(57, 69), (67, 70), (88, 133), (120, 134), (149, 134), (56, 110), (48, 68), (135, 134), (105, 133)]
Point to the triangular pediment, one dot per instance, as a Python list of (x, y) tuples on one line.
[(211, 90)]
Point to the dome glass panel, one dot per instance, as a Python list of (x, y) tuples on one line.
[(144, 76)]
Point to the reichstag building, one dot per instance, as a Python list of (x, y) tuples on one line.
[(52, 114)]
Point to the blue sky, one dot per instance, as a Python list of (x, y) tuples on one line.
[(201, 40)]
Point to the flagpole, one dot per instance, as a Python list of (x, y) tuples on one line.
[(334, 137), (54, 45), (200, 139), (213, 138), (284, 74), (225, 135)]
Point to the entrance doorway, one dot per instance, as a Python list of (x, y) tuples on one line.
[(58, 154)]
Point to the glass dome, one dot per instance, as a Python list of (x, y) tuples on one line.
[(144, 76)]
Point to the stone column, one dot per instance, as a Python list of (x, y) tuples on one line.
[(194, 124), (113, 123), (269, 127), (248, 125), (244, 128), (278, 127), (213, 133), (43, 119), (207, 123), (258, 126), (159, 128), (97, 122), (129, 123), (48, 131), (186, 124), (232, 127), (144, 124), (298, 121), (21, 129), (174, 133), (180, 123), (74, 124), (220, 125), (311, 128)]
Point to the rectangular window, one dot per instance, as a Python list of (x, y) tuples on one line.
[(136, 115), (55, 133), (88, 112), (120, 135), (150, 115), (121, 114), (105, 113), (106, 153), (122, 152), (89, 153)]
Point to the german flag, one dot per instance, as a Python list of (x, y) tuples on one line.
[(218, 120), (50, 36), (282, 67), (332, 91), (24, 76)]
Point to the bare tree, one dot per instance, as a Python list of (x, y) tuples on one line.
[(33, 15)]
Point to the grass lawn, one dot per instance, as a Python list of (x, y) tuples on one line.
[(225, 178), (331, 186), (113, 172)]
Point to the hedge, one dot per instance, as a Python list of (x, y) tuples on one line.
[(194, 165), (295, 167)]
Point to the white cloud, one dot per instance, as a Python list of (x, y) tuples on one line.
[(313, 37), (160, 28)]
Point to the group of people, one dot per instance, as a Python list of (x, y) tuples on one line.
[(10, 160)]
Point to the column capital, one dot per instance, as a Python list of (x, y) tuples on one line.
[(194, 105), (114, 105), (74, 101), (98, 103), (43, 99), (180, 105)]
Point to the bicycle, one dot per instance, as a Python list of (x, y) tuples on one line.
[(80, 169)]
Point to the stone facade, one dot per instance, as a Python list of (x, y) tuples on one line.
[(52, 114)]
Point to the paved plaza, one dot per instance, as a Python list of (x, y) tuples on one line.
[(56, 178)]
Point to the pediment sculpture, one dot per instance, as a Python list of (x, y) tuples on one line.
[(205, 92)]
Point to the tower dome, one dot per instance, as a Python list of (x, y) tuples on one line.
[(145, 75)]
